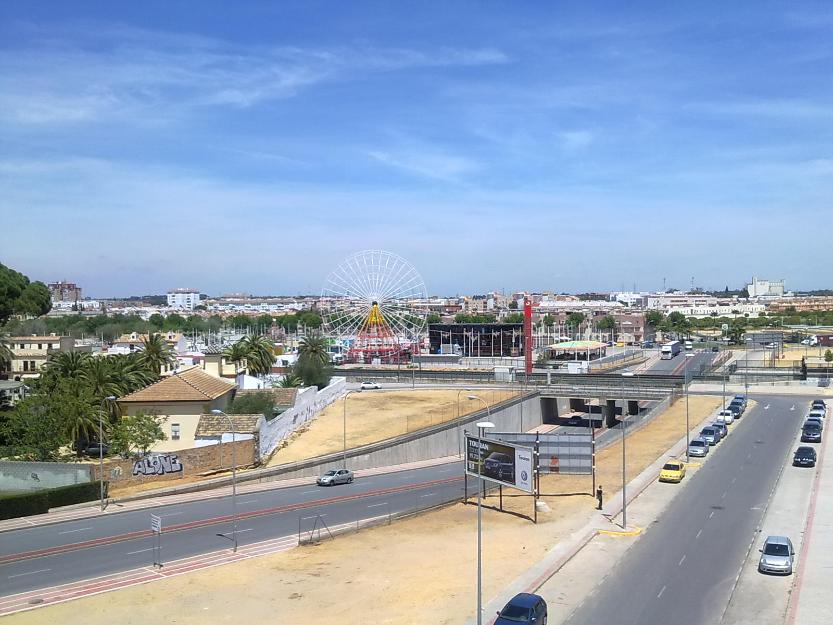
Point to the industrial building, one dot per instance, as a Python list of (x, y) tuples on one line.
[(477, 339)]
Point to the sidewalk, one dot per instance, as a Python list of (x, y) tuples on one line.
[(91, 509), (809, 601), (807, 389)]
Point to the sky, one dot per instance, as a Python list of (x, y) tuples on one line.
[(569, 146)]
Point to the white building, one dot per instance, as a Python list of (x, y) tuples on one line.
[(184, 299), (765, 288)]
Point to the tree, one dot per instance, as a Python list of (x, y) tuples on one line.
[(260, 354), (290, 380), (235, 354), (18, 296), (260, 402), (136, 434), (575, 319), (314, 347), (157, 321), (312, 371), (513, 304), (156, 353), (514, 318), (654, 318), (5, 355), (433, 318), (607, 323), (68, 364), (548, 321), (828, 358)]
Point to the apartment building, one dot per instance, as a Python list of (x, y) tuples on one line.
[(31, 353)]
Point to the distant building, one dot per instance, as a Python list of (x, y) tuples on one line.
[(185, 299), (64, 291), (31, 353), (765, 288), (476, 339)]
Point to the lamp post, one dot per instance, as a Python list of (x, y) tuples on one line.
[(233, 476), (459, 438), (101, 449), (346, 395), (482, 425), (627, 374), (687, 427)]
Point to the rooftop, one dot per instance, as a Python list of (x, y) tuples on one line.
[(216, 425), (189, 385), (283, 396)]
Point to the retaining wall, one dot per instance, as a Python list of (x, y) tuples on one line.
[(308, 403), (23, 476)]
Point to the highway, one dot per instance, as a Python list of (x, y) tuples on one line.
[(682, 570), (49, 555), (675, 365)]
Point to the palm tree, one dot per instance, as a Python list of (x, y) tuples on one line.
[(236, 354), (99, 376), (156, 354), (290, 380), (314, 347), (69, 364), (5, 354), (130, 373), (259, 354)]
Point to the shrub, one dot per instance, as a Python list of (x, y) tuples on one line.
[(24, 504)]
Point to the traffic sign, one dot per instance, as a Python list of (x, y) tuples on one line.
[(156, 524)]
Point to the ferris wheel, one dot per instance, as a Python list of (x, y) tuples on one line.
[(371, 302)]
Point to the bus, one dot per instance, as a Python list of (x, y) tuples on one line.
[(670, 349)]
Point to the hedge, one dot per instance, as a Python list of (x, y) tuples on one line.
[(40, 501)]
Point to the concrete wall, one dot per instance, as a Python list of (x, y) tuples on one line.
[(177, 465), (308, 403), (23, 476)]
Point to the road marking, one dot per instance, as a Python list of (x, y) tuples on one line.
[(734, 479), (131, 553), (448, 470), (680, 563), (376, 505), (698, 533), (29, 573), (308, 492), (171, 514), (766, 407), (249, 501), (428, 495), (723, 496), (80, 529), (660, 592), (248, 529), (711, 514), (792, 407)]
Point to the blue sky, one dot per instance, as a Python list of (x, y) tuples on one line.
[(539, 146)]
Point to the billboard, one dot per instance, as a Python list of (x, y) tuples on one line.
[(499, 462)]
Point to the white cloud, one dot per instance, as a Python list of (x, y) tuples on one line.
[(428, 163)]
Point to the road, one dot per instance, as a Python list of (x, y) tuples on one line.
[(675, 365), (49, 555), (683, 569)]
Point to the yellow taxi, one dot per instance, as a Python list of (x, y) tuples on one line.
[(672, 471)]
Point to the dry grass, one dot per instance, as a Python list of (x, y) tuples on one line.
[(377, 415), (419, 570)]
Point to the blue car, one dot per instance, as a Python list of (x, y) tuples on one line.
[(523, 608)]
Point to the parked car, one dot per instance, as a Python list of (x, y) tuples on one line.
[(368, 384), (819, 404), (740, 398), (721, 428), (698, 448), (331, 478), (810, 433), (817, 412), (777, 556), (727, 416), (804, 457), (735, 409), (817, 420), (523, 608), (499, 466), (710, 435), (96, 449), (715, 348), (672, 471)]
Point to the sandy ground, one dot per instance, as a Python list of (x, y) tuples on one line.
[(376, 415), (418, 570)]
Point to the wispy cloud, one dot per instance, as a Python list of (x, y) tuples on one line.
[(428, 163), (129, 70)]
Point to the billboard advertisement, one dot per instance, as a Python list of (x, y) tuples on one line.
[(500, 463)]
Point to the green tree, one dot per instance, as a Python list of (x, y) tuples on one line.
[(156, 354), (548, 321), (828, 358), (513, 304), (260, 354), (18, 296), (5, 355), (135, 435), (68, 364), (290, 380), (312, 371), (433, 318), (33, 430), (654, 318), (607, 324), (260, 402), (235, 354), (574, 320), (314, 347), (514, 318), (157, 321)]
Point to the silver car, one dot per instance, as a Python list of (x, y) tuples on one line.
[(777, 556), (339, 476), (698, 448), (710, 435), (721, 429)]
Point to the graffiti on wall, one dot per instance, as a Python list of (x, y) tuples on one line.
[(157, 464)]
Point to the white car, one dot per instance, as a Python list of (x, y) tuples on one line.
[(726, 416), (367, 385)]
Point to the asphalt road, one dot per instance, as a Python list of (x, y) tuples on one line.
[(676, 364), (683, 568), (49, 555)]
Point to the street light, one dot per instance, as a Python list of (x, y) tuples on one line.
[(233, 475), (459, 438), (101, 449), (346, 395), (482, 425), (627, 374), (687, 382)]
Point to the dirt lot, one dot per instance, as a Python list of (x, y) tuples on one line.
[(376, 415), (420, 570)]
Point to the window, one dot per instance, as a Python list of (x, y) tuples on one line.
[(26, 365), (174, 431), (32, 366), (40, 345)]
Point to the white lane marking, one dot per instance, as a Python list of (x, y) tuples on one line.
[(723, 496), (734, 479), (308, 492), (698, 533), (130, 553), (248, 529), (80, 529), (680, 563), (711, 514), (766, 407), (660, 592), (29, 573), (792, 407), (376, 505), (428, 495), (171, 514), (249, 501)]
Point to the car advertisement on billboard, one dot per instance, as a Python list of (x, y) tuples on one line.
[(500, 463)]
